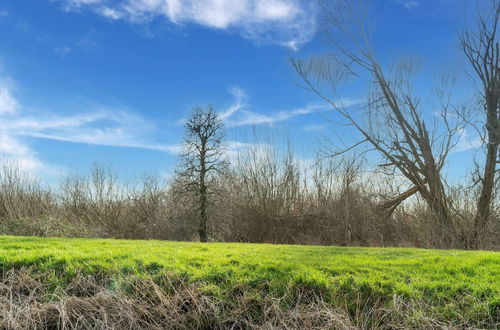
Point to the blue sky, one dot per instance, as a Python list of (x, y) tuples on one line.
[(111, 81)]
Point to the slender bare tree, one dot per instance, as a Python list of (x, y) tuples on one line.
[(203, 158), (481, 46), (394, 121)]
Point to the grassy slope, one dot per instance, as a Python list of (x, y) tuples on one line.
[(456, 284)]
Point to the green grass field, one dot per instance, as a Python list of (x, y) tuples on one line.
[(457, 287)]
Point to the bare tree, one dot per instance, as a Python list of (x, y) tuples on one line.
[(481, 46), (393, 121), (203, 158)]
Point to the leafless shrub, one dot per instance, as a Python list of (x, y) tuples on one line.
[(266, 192), (21, 196), (269, 195), (95, 200), (273, 196)]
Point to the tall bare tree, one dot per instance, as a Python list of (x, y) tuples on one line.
[(393, 121), (203, 158), (481, 46)]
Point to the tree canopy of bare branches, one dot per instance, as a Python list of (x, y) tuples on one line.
[(394, 122), (481, 47), (203, 158)]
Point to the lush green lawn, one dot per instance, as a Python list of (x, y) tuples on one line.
[(451, 281)]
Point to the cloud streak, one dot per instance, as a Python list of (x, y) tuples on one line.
[(467, 142), (408, 4), (247, 117), (8, 103), (289, 23), (12, 150), (240, 101), (14, 153), (238, 113), (101, 126), (62, 51)]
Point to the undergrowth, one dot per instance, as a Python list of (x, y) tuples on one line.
[(104, 283)]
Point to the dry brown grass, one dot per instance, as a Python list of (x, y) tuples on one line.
[(30, 302), (87, 303)]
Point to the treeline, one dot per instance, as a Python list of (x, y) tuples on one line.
[(266, 196)]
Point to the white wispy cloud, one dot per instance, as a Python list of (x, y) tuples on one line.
[(106, 137), (467, 142), (240, 101), (88, 42), (238, 113), (236, 149), (101, 127), (290, 23), (62, 51), (8, 103), (408, 4), (96, 126), (14, 152), (246, 117)]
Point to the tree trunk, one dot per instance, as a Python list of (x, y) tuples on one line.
[(387, 208), (482, 49), (439, 208), (203, 216), (202, 229), (484, 202)]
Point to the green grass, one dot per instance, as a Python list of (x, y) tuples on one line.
[(449, 281)]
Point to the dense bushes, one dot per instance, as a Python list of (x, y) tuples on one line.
[(266, 197)]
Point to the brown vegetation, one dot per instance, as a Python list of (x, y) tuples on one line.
[(87, 302), (394, 123), (265, 197)]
